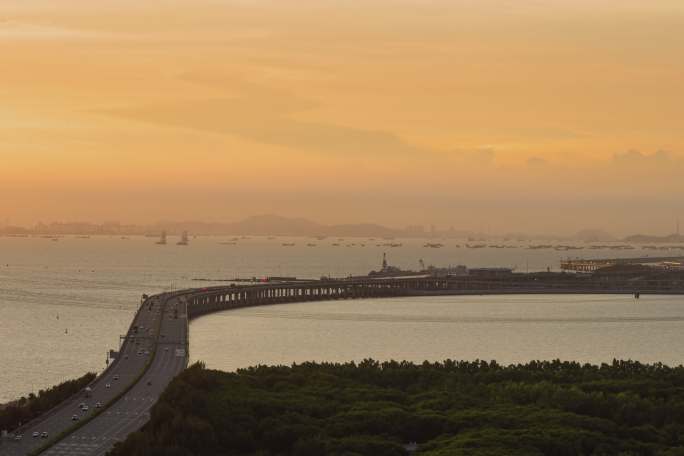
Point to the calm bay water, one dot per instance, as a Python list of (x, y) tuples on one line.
[(509, 329), (64, 304)]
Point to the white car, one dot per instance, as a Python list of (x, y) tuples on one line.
[(85, 409), (36, 434), (108, 385), (44, 435), (98, 405), (18, 437), (116, 377), (74, 417)]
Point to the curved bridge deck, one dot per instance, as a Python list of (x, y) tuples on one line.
[(157, 351)]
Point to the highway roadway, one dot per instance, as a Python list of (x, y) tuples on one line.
[(131, 412), (120, 374)]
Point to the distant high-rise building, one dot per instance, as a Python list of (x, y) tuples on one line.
[(415, 230)]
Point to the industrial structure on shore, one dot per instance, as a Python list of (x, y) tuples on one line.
[(594, 265)]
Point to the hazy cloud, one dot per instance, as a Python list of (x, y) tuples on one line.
[(481, 156), (536, 161), (634, 156), (270, 122), (15, 30)]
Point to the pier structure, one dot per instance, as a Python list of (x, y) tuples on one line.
[(593, 265)]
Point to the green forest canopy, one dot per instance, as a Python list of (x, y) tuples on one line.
[(25, 409), (450, 408)]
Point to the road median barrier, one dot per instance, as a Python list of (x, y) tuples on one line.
[(67, 432)]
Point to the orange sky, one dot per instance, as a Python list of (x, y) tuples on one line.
[(482, 114)]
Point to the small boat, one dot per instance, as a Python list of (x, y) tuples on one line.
[(432, 245), (162, 239), (288, 244), (184, 239)]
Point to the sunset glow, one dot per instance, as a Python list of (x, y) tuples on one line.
[(509, 115)]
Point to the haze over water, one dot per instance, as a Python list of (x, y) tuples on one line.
[(91, 288)]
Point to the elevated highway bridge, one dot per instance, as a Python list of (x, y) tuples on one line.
[(155, 349)]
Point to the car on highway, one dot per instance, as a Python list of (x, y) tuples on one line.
[(74, 417), (116, 377), (108, 385), (44, 435), (98, 405), (18, 437), (36, 434), (84, 408), (149, 383)]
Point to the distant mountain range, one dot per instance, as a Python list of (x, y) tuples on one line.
[(260, 225), (276, 225)]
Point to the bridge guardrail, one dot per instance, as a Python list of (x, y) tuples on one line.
[(46, 415)]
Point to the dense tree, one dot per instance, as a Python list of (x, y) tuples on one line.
[(25, 409), (450, 408)]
